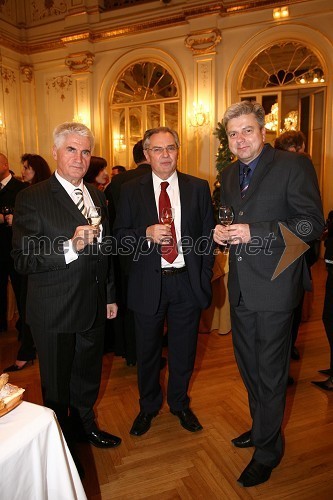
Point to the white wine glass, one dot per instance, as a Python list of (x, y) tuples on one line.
[(167, 217), (93, 216), (226, 218)]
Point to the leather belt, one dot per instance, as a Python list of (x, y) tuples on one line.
[(171, 271)]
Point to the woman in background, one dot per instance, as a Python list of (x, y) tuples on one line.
[(97, 173), (34, 169)]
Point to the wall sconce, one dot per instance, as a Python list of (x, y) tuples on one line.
[(82, 118), (2, 125), (199, 115), (119, 143), (280, 13)]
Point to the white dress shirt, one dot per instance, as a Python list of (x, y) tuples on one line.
[(173, 192)]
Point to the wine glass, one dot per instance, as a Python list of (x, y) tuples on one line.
[(167, 217), (7, 210), (94, 216), (226, 217)]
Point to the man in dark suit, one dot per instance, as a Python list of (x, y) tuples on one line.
[(126, 332), (266, 188), (70, 283), (9, 188), (170, 275)]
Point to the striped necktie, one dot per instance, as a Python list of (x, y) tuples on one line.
[(80, 202), (246, 180)]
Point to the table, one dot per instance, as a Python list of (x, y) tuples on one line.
[(35, 462), (217, 316)]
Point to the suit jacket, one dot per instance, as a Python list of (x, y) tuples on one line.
[(7, 199), (61, 297), (283, 189), (137, 210)]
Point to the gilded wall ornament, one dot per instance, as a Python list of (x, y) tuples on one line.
[(26, 72), (8, 77), (203, 41), (60, 84), (46, 8), (79, 62)]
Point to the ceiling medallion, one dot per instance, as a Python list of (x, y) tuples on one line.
[(203, 41)]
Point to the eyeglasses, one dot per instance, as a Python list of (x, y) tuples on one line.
[(159, 150)]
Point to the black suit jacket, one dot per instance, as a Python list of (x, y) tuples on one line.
[(61, 297), (137, 210), (7, 199), (283, 189)]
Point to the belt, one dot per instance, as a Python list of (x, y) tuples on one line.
[(170, 271)]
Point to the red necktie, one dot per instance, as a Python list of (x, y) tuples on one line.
[(169, 252)]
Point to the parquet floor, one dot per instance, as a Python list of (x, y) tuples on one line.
[(171, 463)]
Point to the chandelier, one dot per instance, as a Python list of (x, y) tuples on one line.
[(271, 119), (312, 76)]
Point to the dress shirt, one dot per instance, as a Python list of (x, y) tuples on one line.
[(252, 166), (69, 252), (5, 181), (173, 192)]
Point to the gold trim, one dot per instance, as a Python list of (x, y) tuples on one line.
[(203, 41), (80, 61), (26, 71)]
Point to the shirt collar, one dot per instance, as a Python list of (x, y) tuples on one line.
[(5, 181), (68, 186)]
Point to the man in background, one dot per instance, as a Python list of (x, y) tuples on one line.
[(9, 188), (124, 327)]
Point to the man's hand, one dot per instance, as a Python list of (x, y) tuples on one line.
[(111, 310), (9, 219), (233, 234), (159, 233), (83, 236)]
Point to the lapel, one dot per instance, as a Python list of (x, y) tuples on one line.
[(65, 200), (185, 194), (148, 197), (262, 169)]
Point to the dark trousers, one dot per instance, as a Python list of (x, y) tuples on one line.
[(262, 342), (27, 350), (178, 306), (70, 369), (328, 310), (7, 271)]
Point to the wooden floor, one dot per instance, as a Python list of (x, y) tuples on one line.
[(170, 463)]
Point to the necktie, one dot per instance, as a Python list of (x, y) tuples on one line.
[(169, 252), (80, 202), (246, 180)]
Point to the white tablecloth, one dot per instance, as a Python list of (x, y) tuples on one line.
[(35, 463)]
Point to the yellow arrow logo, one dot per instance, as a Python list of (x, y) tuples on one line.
[(295, 247)]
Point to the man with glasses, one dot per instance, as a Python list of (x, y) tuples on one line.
[(170, 273)]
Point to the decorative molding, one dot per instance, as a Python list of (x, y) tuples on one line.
[(60, 84), (80, 61), (8, 77), (203, 41), (26, 71), (7, 10), (40, 9)]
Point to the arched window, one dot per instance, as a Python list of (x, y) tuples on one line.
[(145, 96), (289, 80)]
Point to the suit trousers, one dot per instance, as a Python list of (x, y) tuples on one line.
[(328, 310), (262, 343), (70, 368), (178, 306)]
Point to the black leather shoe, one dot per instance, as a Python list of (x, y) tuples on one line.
[(255, 473), (188, 420), (142, 423), (295, 354), (243, 441), (325, 384), (102, 439), (17, 368), (328, 372)]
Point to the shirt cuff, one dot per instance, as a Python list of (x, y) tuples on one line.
[(69, 252)]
